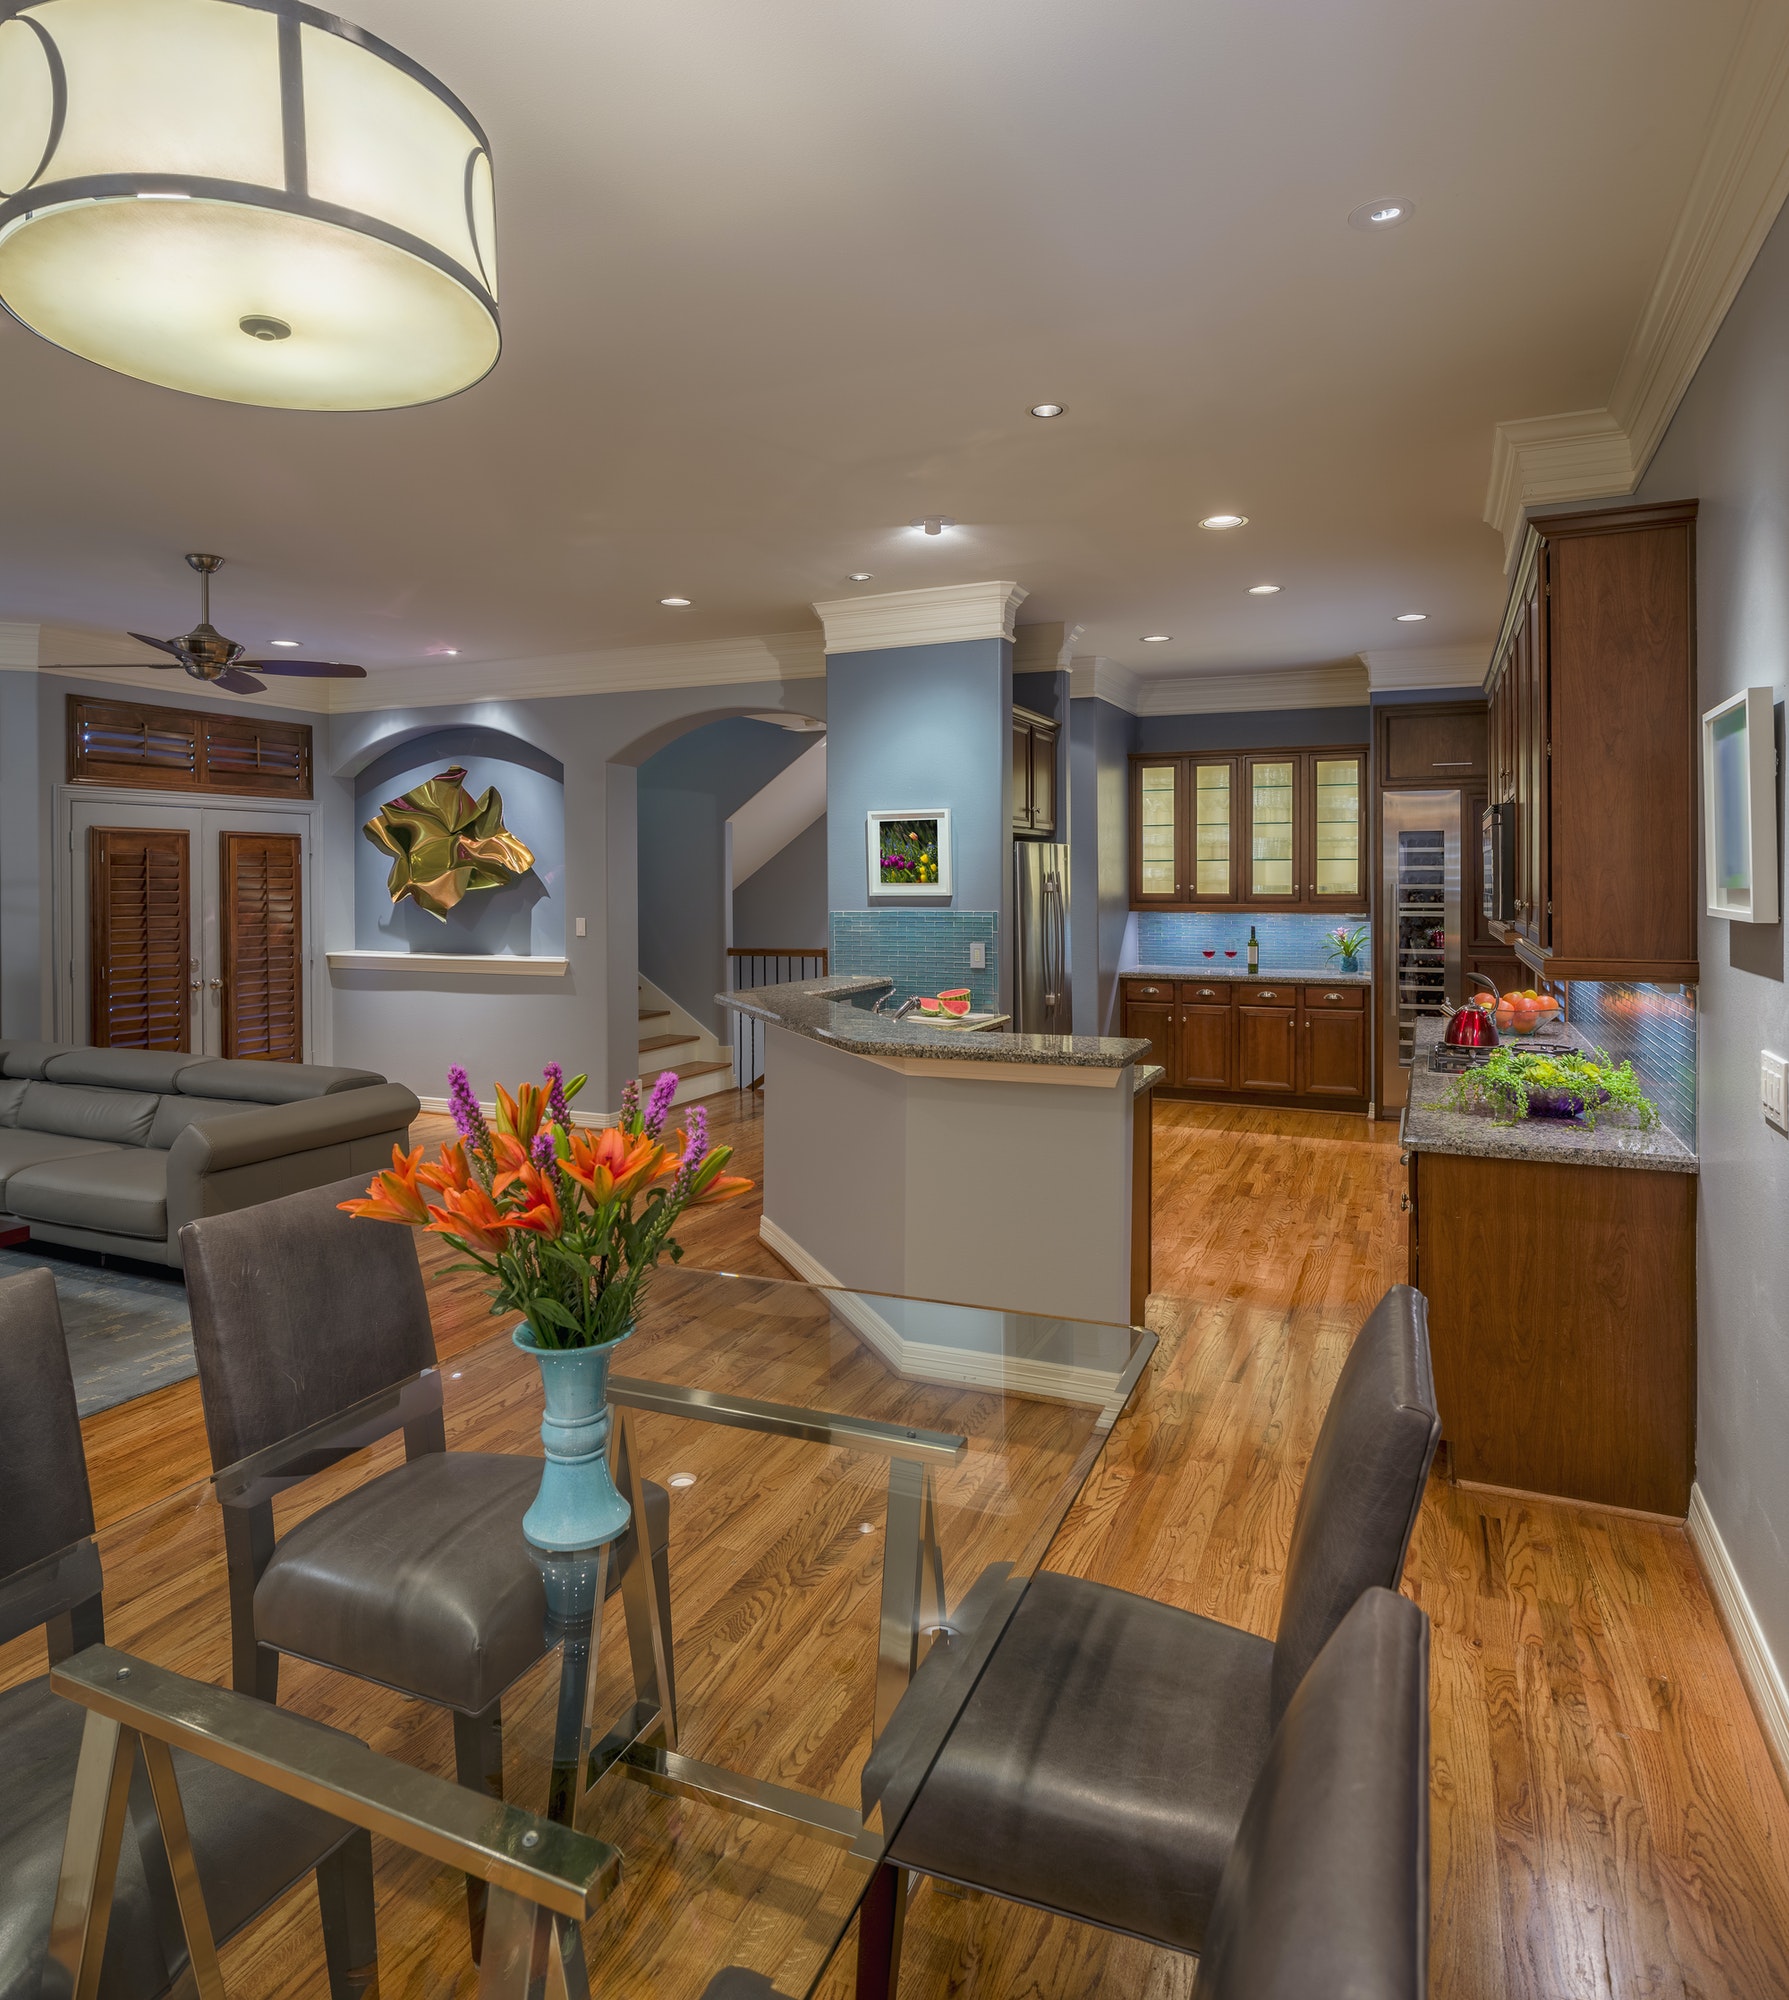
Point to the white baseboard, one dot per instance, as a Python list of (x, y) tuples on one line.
[(1757, 1667), (934, 1361)]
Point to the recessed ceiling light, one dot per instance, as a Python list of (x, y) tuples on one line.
[(933, 524), (859, 576), (1225, 521), (1264, 590), (677, 603), (1411, 617), (1157, 638), (1383, 214), (285, 642), (450, 652), (680, 1480), (1046, 409)]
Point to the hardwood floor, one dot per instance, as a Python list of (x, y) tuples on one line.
[(1606, 1819)]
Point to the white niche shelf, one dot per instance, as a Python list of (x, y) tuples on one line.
[(475, 965)]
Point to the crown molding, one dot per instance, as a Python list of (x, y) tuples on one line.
[(1043, 649), (1428, 666), (938, 617), (1736, 193), (1093, 676)]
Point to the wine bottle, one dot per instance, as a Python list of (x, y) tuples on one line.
[(1254, 951)]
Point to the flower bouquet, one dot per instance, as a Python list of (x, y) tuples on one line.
[(1346, 942), (567, 1223)]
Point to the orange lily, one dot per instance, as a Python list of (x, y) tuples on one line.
[(472, 1216), (543, 1214), (520, 1115), (452, 1171), (393, 1195), (614, 1164), (510, 1156), (722, 1188)]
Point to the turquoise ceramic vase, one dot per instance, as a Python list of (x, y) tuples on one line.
[(1351, 961), (577, 1506)]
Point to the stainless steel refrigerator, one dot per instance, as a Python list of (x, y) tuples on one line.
[(1420, 940), (1041, 1000)]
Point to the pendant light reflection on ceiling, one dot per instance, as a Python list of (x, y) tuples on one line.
[(259, 203)]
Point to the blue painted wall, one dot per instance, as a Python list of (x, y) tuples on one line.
[(525, 920), (922, 727), (687, 793), (1100, 737), (1262, 729), (784, 902)]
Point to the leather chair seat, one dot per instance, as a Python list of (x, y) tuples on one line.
[(422, 1580), (1103, 1764), (249, 1844), (21, 1149), (125, 1194)]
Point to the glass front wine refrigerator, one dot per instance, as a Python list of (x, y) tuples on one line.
[(1419, 933)]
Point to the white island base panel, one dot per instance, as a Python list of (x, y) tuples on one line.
[(987, 1184)]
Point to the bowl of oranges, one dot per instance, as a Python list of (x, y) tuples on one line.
[(1519, 1013)]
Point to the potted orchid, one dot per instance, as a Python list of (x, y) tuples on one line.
[(1346, 943), (567, 1223)]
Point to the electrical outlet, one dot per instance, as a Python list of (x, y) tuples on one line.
[(582, 928), (1773, 1089), (978, 958)]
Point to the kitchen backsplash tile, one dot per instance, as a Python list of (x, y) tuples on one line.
[(1654, 1028), (922, 951), (1180, 937)]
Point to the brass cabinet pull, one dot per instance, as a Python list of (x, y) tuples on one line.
[(1332, 996)]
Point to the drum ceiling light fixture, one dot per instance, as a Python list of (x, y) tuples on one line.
[(250, 200)]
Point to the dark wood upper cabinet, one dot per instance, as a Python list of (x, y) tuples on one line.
[(1592, 735), (1266, 829), (1034, 774), (1433, 743), (151, 748)]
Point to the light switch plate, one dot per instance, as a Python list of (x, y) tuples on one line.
[(1773, 1088), (582, 931), (978, 958)]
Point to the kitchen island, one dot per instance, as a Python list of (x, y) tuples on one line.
[(1559, 1263), (975, 1166)]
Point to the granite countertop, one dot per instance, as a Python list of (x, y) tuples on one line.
[(1146, 1076), (1427, 1128), (821, 1009), (1222, 968)]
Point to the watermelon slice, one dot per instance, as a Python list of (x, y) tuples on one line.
[(930, 1007), (956, 1001)]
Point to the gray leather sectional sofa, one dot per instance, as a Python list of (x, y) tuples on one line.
[(114, 1149)]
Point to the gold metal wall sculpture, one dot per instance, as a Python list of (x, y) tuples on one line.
[(443, 844)]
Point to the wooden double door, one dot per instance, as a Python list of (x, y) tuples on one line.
[(189, 929)]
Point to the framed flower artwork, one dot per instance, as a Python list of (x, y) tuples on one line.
[(909, 854)]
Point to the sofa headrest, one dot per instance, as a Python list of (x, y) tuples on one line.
[(178, 1111), (78, 1111), (28, 1058), (120, 1069), (271, 1082)]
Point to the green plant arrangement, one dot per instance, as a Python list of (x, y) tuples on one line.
[(1513, 1084), (1346, 942)]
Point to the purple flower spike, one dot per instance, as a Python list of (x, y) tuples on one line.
[(556, 1104), (697, 1149), (469, 1120), (630, 1103), (658, 1105), (541, 1152)]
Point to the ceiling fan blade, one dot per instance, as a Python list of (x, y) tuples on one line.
[(160, 645), (238, 682), (317, 670)]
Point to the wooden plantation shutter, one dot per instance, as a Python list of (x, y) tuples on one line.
[(140, 923), (263, 947)]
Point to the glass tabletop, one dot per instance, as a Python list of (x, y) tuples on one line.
[(860, 1487)]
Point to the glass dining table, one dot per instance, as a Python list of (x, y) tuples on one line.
[(860, 1488)]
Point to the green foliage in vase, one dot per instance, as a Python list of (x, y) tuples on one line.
[(1508, 1078)]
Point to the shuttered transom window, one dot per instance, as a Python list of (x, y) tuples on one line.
[(186, 750)]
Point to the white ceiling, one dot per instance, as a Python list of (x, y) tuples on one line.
[(778, 278)]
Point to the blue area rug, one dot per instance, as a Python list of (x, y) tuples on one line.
[(127, 1325)]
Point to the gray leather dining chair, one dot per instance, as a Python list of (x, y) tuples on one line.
[(1101, 1766), (313, 1340), (1325, 1895), (251, 1845)]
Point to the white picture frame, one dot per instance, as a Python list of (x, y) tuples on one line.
[(923, 830), (1739, 808)]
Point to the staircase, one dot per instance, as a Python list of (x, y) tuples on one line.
[(672, 1039)]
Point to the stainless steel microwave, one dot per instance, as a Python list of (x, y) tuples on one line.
[(1497, 872)]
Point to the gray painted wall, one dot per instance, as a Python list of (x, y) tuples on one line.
[(688, 791), (924, 726), (1265, 729), (1099, 744), (1729, 447), (784, 903)]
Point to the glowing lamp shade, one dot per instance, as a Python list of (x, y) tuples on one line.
[(245, 199)]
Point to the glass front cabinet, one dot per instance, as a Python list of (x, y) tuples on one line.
[(1267, 829)]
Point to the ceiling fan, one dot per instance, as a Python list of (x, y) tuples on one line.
[(208, 656)]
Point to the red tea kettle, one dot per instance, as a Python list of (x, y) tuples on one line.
[(1471, 1027)]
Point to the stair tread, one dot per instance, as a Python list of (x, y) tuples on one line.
[(651, 1042), (655, 1013), (651, 1076)]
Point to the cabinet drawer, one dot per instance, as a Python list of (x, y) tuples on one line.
[(1205, 993), (1328, 999), (1148, 989), (1270, 993)]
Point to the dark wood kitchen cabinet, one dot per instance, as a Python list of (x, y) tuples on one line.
[(1432, 744), (1207, 1061), (1241, 1041), (1592, 737), (1267, 1041), (1332, 1038), (1034, 774)]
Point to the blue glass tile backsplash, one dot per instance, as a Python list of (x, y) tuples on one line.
[(922, 951), (1288, 942), (1654, 1028)]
